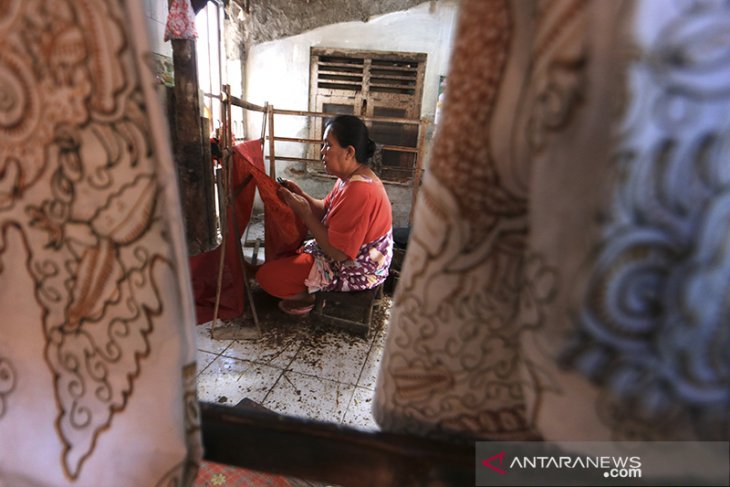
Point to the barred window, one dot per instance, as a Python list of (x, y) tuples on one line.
[(372, 84)]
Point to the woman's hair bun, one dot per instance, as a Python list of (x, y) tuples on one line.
[(371, 148), (349, 130)]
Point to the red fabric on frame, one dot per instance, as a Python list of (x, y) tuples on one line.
[(283, 236), (204, 267), (283, 230)]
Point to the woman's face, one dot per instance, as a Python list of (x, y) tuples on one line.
[(334, 156)]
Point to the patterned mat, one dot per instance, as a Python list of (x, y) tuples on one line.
[(217, 475)]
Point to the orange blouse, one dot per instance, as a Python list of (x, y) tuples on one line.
[(357, 212)]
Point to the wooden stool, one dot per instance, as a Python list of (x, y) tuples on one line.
[(351, 311)]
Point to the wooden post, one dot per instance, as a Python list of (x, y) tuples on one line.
[(263, 125), (228, 126), (272, 155), (192, 160), (327, 453), (419, 166)]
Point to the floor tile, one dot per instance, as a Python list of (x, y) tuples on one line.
[(359, 412), (369, 374), (334, 356), (205, 343), (380, 320), (293, 368), (204, 359), (380, 338), (272, 348), (311, 397), (228, 380)]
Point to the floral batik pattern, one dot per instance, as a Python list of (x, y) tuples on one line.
[(180, 21), (367, 271)]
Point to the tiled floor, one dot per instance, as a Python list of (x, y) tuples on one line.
[(294, 369)]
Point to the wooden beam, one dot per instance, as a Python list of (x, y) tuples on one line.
[(245, 104), (191, 147), (296, 159), (395, 148), (419, 166), (304, 113), (296, 139), (272, 155), (327, 452)]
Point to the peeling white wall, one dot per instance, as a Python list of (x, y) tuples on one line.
[(156, 11), (278, 73)]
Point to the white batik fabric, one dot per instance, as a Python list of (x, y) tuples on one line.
[(568, 273), (97, 359), (451, 360), (630, 205)]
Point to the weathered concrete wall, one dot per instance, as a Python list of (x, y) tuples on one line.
[(274, 19), (278, 72), (234, 47), (251, 22), (156, 11)]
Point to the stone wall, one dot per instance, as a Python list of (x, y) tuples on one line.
[(263, 21)]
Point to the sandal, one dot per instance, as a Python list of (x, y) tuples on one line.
[(295, 308)]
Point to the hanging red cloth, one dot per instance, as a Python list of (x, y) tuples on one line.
[(204, 267), (284, 233), (283, 230)]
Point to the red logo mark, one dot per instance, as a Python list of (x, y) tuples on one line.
[(487, 463)]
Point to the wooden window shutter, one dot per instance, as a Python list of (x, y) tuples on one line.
[(371, 83)]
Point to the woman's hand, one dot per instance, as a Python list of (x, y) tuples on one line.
[(292, 187), (296, 202), (316, 207)]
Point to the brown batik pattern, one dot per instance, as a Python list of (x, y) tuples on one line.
[(185, 472), (78, 185), (555, 89), (462, 159), (557, 85), (8, 379), (451, 361)]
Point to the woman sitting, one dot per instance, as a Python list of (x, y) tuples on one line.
[(352, 225)]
